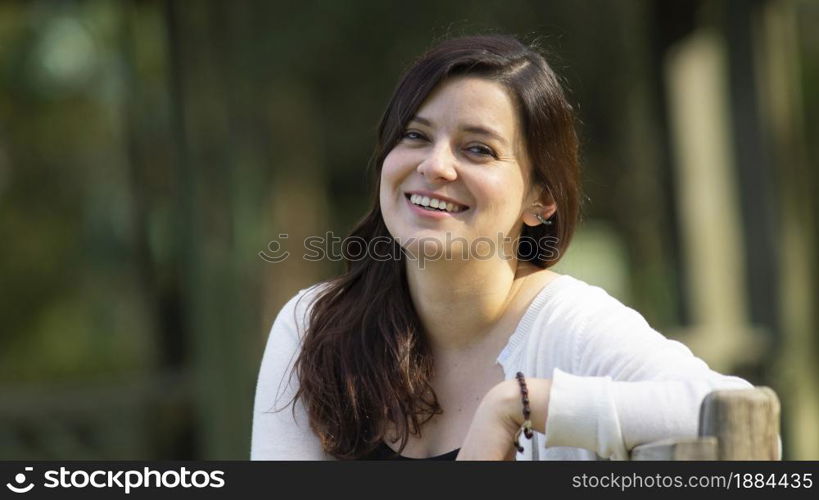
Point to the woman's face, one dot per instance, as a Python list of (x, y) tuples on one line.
[(463, 147)]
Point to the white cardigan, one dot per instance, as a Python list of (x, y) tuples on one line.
[(616, 382)]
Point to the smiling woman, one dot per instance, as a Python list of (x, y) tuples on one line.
[(462, 149), (451, 350)]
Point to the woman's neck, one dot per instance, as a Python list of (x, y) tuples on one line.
[(462, 304)]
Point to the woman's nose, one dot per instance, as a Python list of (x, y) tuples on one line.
[(439, 164)]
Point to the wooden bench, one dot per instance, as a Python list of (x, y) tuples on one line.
[(737, 424)]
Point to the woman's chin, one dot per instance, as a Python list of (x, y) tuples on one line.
[(435, 248)]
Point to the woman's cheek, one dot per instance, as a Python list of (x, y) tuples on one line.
[(387, 175), (392, 164)]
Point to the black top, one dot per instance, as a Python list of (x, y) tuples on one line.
[(384, 452)]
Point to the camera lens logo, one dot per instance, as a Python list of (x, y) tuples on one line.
[(20, 479)]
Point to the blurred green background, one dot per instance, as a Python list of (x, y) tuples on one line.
[(150, 150)]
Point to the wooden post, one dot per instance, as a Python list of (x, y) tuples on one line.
[(735, 424), (744, 421), (704, 448)]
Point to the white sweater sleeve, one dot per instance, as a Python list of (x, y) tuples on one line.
[(280, 431), (625, 384)]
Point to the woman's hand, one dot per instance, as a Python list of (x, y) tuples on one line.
[(500, 415)]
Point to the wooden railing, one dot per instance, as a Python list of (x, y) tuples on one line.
[(737, 424)]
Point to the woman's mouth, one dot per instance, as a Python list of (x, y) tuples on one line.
[(433, 204)]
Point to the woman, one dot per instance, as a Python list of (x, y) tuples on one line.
[(417, 356)]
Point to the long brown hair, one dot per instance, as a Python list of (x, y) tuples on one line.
[(365, 362)]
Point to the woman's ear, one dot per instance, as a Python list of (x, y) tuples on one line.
[(544, 206)]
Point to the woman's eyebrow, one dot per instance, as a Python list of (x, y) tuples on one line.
[(475, 129), (421, 120)]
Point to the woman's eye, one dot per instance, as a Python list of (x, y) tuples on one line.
[(481, 150), (412, 135)]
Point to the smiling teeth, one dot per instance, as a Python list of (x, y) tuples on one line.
[(426, 201)]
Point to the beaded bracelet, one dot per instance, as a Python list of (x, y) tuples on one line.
[(526, 428)]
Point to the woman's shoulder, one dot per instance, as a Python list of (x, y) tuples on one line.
[(571, 294), (294, 314), (574, 305), (582, 329), (306, 297)]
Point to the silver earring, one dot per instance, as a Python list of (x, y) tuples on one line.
[(543, 221)]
